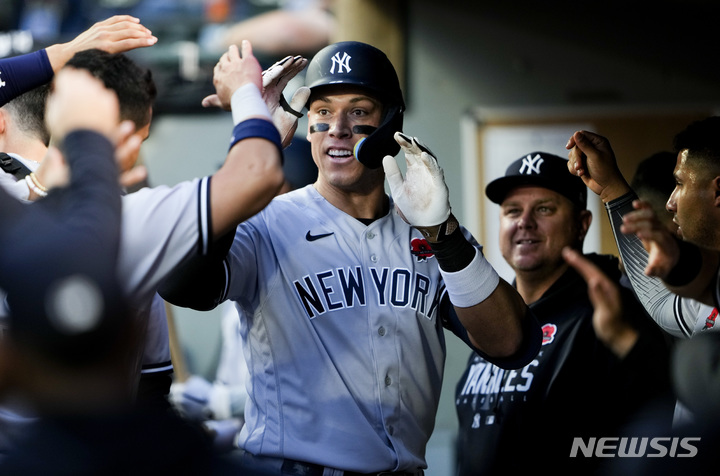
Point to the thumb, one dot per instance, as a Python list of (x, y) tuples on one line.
[(392, 172), (300, 98), (211, 101)]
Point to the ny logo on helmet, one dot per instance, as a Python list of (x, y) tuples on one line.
[(531, 165), (341, 62)]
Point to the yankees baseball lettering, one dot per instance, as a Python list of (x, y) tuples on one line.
[(345, 287), (632, 447), (487, 379)]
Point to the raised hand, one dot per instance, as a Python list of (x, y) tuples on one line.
[(608, 321), (592, 159), (275, 79), (660, 243), (116, 34), (422, 197), (232, 72)]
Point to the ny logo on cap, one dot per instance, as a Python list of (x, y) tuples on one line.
[(2, 83), (531, 165), (341, 62)]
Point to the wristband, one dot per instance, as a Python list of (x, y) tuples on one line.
[(259, 128), (453, 253), (473, 284), (687, 267), (247, 102)]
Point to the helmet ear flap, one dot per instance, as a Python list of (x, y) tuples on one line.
[(371, 150)]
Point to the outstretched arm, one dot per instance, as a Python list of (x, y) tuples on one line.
[(686, 269), (22, 73), (610, 327), (252, 173), (491, 310), (251, 176), (116, 34)]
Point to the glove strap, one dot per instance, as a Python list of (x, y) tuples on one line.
[(438, 233), (287, 108), (453, 252)]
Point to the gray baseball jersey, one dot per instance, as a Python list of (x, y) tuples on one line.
[(341, 335), (178, 219)]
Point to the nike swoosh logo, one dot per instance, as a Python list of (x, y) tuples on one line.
[(311, 237)]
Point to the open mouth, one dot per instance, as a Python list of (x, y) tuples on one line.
[(340, 155)]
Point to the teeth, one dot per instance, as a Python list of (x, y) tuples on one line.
[(340, 153)]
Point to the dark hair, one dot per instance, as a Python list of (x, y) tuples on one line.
[(28, 110), (655, 175), (702, 140), (132, 83)]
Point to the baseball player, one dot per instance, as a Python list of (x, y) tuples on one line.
[(592, 158), (187, 217), (66, 351), (136, 91), (343, 302)]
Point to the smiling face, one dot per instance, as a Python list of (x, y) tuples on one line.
[(333, 117), (536, 223)]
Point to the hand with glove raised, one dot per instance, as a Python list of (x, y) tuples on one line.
[(285, 116), (422, 197)]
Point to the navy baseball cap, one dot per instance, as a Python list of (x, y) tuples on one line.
[(539, 169)]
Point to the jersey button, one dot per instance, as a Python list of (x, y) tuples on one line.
[(388, 381), (373, 258), (371, 235), (381, 331)]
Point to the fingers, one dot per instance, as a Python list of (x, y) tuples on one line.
[(392, 173), (118, 19), (599, 285), (300, 98), (581, 264), (233, 54), (127, 146), (403, 140), (134, 176), (247, 51), (576, 156), (409, 147), (116, 34), (212, 100), (643, 221)]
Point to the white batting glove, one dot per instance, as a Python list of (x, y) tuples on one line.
[(275, 78), (422, 197), (191, 398)]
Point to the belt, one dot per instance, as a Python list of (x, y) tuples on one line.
[(299, 468)]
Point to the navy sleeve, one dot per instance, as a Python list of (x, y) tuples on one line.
[(199, 283), (73, 232), (20, 74), (531, 343)]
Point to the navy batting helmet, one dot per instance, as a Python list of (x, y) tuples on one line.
[(363, 65)]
